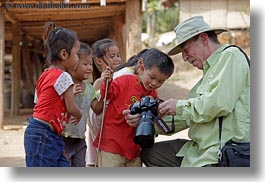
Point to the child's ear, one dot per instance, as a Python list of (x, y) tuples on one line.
[(140, 61), (99, 61), (99, 64), (63, 54), (140, 66)]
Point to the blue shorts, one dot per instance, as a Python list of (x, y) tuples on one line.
[(43, 147)]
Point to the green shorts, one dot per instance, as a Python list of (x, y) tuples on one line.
[(107, 159)]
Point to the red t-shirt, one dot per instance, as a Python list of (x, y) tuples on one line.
[(49, 101), (117, 135)]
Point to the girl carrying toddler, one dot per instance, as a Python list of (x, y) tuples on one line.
[(54, 100)]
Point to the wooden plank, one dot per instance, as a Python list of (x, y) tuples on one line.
[(15, 74), (84, 32), (90, 21), (55, 17), (89, 26), (2, 66)]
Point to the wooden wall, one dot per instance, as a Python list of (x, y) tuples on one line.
[(2, 65), (232, 14)]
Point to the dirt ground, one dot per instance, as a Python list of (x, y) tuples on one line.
[(11, 136), (11, 141)]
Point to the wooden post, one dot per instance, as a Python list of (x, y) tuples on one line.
[(28, 83), (118, 35), (2, 66), (15, 75), (133, 21)]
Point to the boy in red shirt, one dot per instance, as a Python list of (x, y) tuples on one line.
[(117, 148)]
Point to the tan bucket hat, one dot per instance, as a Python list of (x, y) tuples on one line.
[(190, 28)]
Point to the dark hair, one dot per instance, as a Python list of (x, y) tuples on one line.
[(132, 61), (99, 49), (84, 49), (55, 39), (212, 35), (48, 27), (154, 57)]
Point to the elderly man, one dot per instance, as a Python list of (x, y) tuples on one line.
[(223, 91)]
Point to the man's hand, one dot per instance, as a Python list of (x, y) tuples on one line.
[(167, 107)]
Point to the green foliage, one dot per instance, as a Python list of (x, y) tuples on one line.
[(152, 6), (164, 19)]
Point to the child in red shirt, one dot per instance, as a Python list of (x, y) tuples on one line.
[(54, 100), (105, 53), (117, 148)]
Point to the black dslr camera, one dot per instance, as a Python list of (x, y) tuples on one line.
[(145, 130)]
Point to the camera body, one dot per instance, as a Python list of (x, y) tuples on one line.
[(145, 130)]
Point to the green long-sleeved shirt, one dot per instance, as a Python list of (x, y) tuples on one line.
[(224, 90)]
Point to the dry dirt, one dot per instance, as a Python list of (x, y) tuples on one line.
[(11, 141), (11, 136)]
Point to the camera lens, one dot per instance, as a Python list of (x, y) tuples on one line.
[(145, 141), (144, 135)]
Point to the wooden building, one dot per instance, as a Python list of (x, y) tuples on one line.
[(230, 14), (21, 24)]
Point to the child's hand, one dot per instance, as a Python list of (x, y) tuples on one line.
[(132, 120), (75, 121), (77, 89), (107, 74)]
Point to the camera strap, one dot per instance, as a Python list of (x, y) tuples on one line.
[(246, 56), (163, 126)]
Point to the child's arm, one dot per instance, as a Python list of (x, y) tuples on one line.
[(97, 84), (104, 75), (71, 106), (97, 105)]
